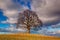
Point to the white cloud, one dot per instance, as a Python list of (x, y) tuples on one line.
[(47, 10), (58, 31), (54, 32), (12, 29), (10, 20), (10, 13), (3, 22), (56, 25), (11, 10), (49, 32)]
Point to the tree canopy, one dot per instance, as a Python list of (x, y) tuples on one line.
[(28, 19)]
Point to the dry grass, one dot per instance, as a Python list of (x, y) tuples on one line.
[(21, 36)]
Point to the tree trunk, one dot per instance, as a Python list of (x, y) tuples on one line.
[(28, 29)]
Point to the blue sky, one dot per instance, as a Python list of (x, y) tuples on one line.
[(23, 3), (4, 18), (47, 11)]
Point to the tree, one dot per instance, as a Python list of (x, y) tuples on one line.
[(28, 19)]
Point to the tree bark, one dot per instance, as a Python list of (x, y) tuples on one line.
[(28, 27)]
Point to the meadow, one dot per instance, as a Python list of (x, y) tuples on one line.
[(21, 36)]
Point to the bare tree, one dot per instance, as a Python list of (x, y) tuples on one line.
[(28, 19)]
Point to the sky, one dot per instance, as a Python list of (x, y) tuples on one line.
[(47, 10)]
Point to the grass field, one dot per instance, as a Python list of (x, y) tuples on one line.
[(21, 36)]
